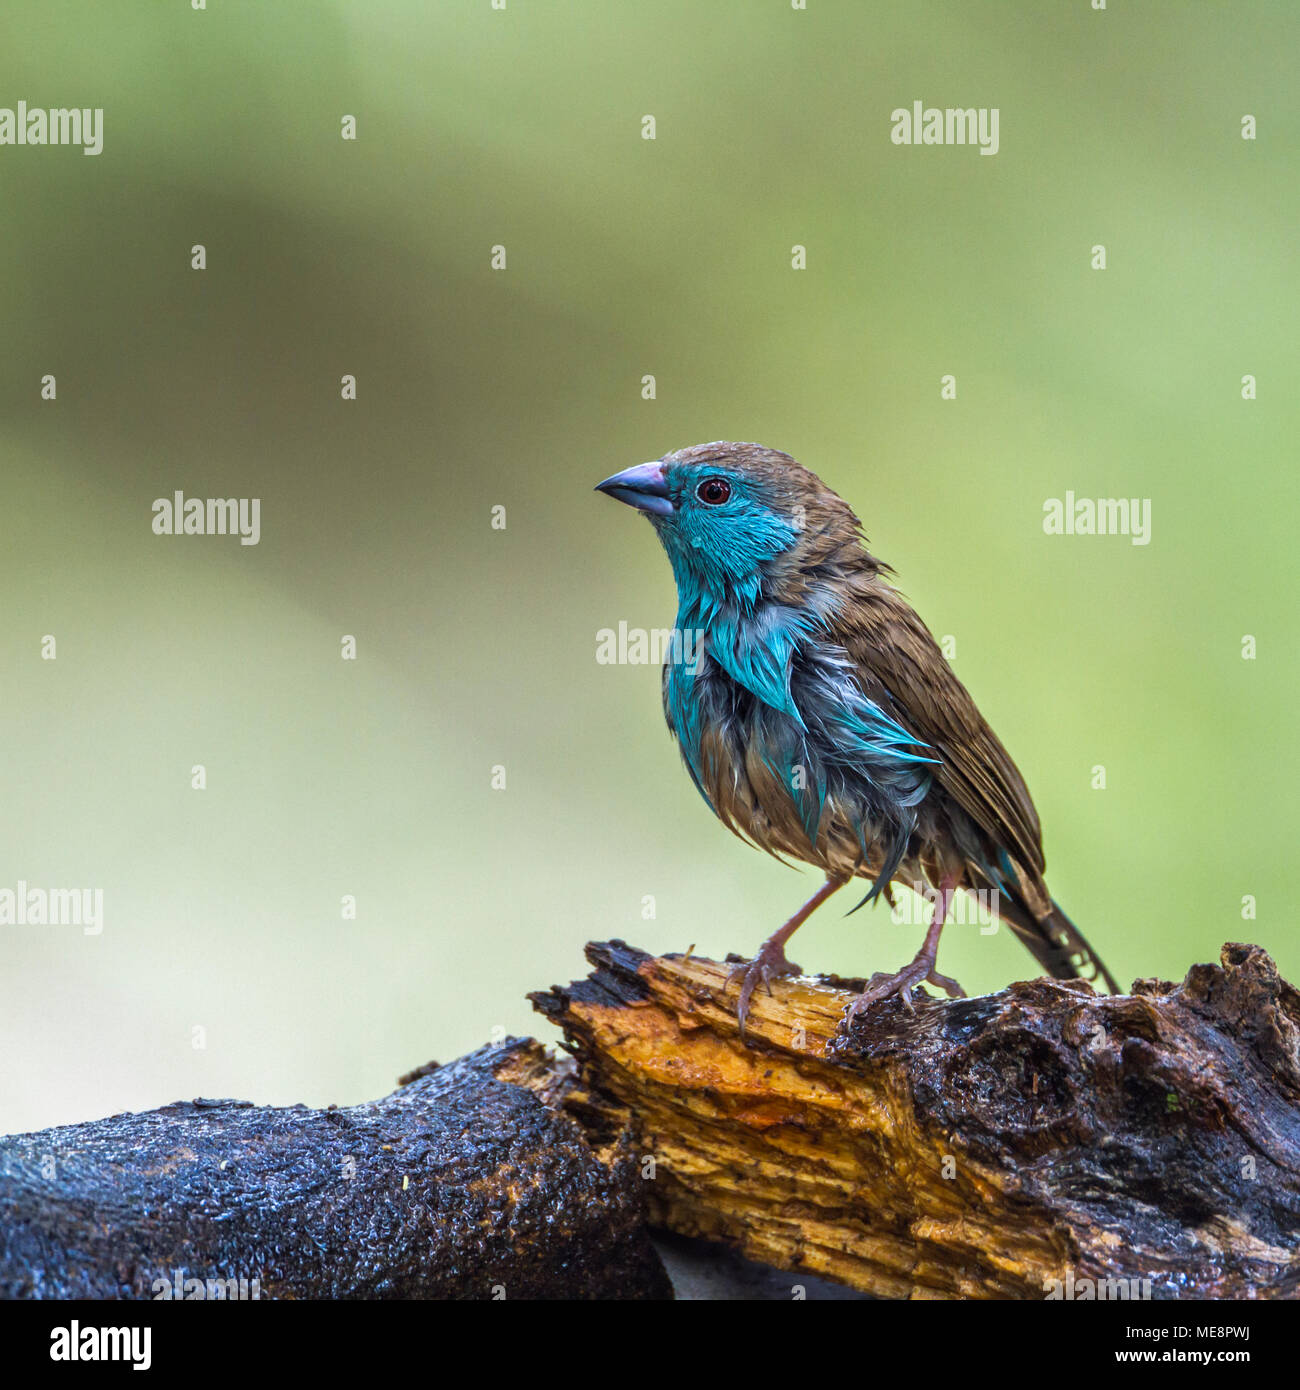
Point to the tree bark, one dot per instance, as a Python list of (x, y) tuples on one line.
[(467, 1182), (1038, 1142)]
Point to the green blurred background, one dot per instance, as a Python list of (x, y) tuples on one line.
[(521, 388)]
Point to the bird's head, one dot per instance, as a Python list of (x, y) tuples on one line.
[(735, 517)]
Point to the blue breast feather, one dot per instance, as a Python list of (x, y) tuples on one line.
[(767, 679)]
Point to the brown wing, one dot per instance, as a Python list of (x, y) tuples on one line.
[(901, 667)]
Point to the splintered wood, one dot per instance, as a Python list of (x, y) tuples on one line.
[(1042, 1142)]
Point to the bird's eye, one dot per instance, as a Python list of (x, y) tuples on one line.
[(713, 491)]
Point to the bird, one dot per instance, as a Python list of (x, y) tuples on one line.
[(820, 721)]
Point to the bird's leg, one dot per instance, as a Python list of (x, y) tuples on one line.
[(771, 960), (922, 970)]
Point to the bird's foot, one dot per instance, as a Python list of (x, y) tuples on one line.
[(769, 964), (902, 983)]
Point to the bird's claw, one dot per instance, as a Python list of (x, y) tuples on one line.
[(769, 964), (946, 983), (902, 983)]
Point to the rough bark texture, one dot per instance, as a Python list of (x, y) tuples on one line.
[(467, 1182), (976, 1148)]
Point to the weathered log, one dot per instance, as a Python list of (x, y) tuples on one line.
[(1034, 1142), (466, 1182)]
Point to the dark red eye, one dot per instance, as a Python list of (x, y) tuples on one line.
[(714, 491)]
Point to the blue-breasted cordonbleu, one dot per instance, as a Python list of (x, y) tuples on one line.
[(818, 717)]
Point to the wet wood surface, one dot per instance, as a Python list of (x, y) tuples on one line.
[(1041, 1141)]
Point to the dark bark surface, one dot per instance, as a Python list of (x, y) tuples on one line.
[(1041, 1140), (464, 1183)]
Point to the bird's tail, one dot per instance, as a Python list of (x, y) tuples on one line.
[(1056, 943)]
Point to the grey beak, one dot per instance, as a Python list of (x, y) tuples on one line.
[(641, 486)]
